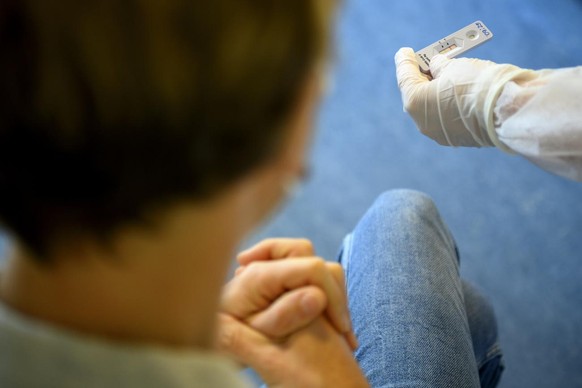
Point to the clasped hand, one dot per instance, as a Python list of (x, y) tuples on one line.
[(285, 315)]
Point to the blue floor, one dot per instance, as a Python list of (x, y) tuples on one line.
[(519, 229)]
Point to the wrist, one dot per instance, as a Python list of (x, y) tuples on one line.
[(498, 77)]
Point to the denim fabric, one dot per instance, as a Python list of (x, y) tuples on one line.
[(418, 323)]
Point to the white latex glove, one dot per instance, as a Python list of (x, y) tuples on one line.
[(455, 106)]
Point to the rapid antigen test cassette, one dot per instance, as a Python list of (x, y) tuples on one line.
[(455, 44)]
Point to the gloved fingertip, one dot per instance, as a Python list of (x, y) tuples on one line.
[(405, 53), (437, 64)]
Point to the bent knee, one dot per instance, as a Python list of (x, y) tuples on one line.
[(406, 203)]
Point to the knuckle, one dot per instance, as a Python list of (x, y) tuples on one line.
[(335, 266), (254, 270), (280, 321), (336, 269), (412, 105), (305, 244), (229, 338), (269, 241), (408, 104), (317, 264), (271, 361)]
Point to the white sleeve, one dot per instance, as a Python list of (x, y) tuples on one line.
[(541, 119)]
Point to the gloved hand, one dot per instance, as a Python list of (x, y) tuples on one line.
[(455, 106)]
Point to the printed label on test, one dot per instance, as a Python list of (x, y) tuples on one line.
[(455, 44)]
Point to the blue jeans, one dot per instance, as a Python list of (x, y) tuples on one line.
[(418, 323)]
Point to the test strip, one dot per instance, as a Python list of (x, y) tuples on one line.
[(455, 44)]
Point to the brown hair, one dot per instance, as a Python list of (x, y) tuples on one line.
[(109, 108)]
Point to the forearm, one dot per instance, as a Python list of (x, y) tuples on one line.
[(475, 103), (540, 117)]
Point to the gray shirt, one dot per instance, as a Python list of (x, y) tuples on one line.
[(35, 354)]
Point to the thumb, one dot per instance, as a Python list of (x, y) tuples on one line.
[(408, 72), (239, 341), (250, 348), (290, 312), (437, 64)]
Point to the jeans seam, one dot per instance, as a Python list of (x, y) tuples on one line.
[(494, 351), (346, 256)]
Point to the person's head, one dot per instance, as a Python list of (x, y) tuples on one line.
[(113, 109)]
